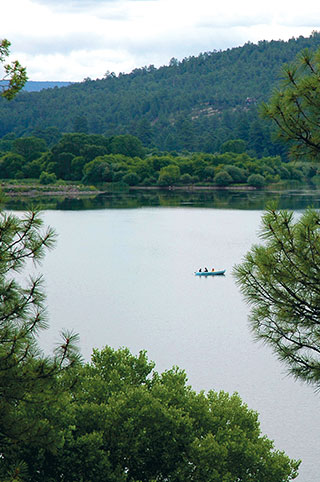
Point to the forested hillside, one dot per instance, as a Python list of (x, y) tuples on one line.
[(196, 104)]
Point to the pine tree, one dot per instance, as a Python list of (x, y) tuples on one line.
[(281, 282), (295, 106), (29, 381)]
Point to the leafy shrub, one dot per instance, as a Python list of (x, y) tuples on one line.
[(256, 180), (223, 178), (169, 175), (237, 174), (186, 179), (10, 164), (98, 170), (47, 178), (131, 178)]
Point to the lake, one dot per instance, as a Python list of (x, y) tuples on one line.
[(122, 274)]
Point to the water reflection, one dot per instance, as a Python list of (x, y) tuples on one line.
[(253, 200)]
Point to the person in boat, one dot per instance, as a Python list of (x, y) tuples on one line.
[(212, 270), (206, 270), (200, 270)]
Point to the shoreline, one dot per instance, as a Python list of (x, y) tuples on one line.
[(23, 190), (75, 191), (194, 188)]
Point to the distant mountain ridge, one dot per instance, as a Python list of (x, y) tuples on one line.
[(194, 104), (37, 85)]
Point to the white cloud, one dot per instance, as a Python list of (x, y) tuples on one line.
[(74, 39)]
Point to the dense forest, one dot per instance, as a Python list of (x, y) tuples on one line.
[(195, 104)]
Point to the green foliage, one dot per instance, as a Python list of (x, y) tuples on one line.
[(295, 107), (130, 423), (31, 392), (77, 143), (79, 156), (161, 161), (97, 171), (186, 178), (222, 178), (32, 170), (197, 104), (256, 180), (77, 165), (15, 76), (315, 180), (238, 175), (127, 145), (10, 165), (29, 147), (235, 145), (47, 178), (80, 124), (131, 178), (61, 165), (6, 143), (51, 135), (168, 175), (281, 282), (90, 151)]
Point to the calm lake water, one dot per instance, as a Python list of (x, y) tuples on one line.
[(125, 277)]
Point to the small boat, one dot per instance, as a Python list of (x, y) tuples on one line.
[(210, 273)]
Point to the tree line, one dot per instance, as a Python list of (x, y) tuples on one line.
[(99, 160)]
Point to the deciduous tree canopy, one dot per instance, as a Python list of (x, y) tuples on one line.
[(129, 423)]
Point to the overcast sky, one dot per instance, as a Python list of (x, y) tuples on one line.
[(75, 39)]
